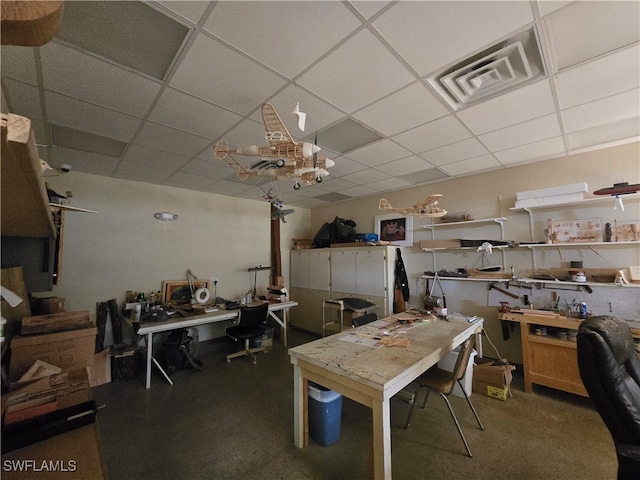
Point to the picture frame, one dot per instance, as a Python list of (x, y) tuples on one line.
[(178, 291), (394, 228)]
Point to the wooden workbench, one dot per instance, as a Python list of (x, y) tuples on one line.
[(547, 359)]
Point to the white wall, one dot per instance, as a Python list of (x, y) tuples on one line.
[(123, 247), (491, 195)]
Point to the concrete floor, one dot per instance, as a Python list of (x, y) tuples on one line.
[(235, 421)]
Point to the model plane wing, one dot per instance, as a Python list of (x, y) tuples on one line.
[(430, 200), (275, 131)]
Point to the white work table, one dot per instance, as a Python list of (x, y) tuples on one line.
[(369, 375), (175, 322)]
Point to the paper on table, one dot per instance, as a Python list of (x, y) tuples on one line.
[(10, 297)]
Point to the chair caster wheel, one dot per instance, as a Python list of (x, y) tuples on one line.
[(228, 360)]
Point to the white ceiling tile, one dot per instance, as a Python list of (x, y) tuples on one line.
[(599, 78), (454, 152), (411, 106), (19, 63), (90, 118), (338, 77), (627, 129), (85, 162), (549, 6), (359, 191), (389, 184), (586, 30), (379, 152), (171, 140), (532, 101), (24, 98), (140, 156), (418, 31), (432, 135), (535, 151), (472, 165), (190, 10), (141, 173), (311, 29), (203, 73), (368, 175), (189, 114), (345, 166), (522, 133), (369, 8), (603, 111), (405, 165), (210, 170), (95, 81)]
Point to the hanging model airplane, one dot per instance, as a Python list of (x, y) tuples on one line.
[(424, 208), (278, 210), (282, 157)]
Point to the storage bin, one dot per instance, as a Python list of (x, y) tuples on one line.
[(448, 363), (325, 412)]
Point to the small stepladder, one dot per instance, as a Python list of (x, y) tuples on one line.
[(329, 304)]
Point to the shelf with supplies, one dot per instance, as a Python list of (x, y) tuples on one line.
[(581, 245), (434, 245), (585, 202)]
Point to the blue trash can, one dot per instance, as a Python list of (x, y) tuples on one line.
[(325, 411)]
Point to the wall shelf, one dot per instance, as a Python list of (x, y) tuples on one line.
[(500, 220), (584, 202)]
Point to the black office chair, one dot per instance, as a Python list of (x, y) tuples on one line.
[(610, 370), (364, 319), (247, 329), (443, 382)]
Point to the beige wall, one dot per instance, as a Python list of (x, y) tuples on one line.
[(123, 247), (492, 195)]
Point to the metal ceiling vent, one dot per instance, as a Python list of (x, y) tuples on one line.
[(496, 70)]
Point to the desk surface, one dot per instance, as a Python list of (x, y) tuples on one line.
[(387, 369), (178, 321), (370, 375)]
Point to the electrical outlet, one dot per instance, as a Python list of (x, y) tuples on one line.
[(214, 280)]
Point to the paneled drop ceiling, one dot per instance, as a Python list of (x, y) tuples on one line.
[(143, 90)]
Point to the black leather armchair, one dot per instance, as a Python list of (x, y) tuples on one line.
[(610, 370)]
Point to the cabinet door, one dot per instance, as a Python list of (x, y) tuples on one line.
[(371, 273), (343, 271), (319, 270), (299, 266)]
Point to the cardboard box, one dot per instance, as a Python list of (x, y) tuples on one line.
[(492, 380), (450, 243), (69, 350)]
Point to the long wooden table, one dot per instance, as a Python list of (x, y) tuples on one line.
[(369, 375), (149, 329)]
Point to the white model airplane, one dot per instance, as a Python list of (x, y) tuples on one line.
[(424, 208), (282, 157)]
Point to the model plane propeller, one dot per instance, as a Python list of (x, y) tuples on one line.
[(282, 157), (424, 208)]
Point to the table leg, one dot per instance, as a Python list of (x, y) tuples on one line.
[(381, 440), (282, 322), (149, 358), (300, 409)]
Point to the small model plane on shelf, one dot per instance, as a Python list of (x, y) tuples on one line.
[(424, 208), (281, 157)]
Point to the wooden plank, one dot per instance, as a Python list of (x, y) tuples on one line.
[(24, 200), (55, 322), (12, 279)]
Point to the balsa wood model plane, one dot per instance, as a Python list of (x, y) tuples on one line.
[(424, 208), (281, 157)]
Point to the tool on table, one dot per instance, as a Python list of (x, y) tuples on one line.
[(432, 302), (255, 271), (493, 286)]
